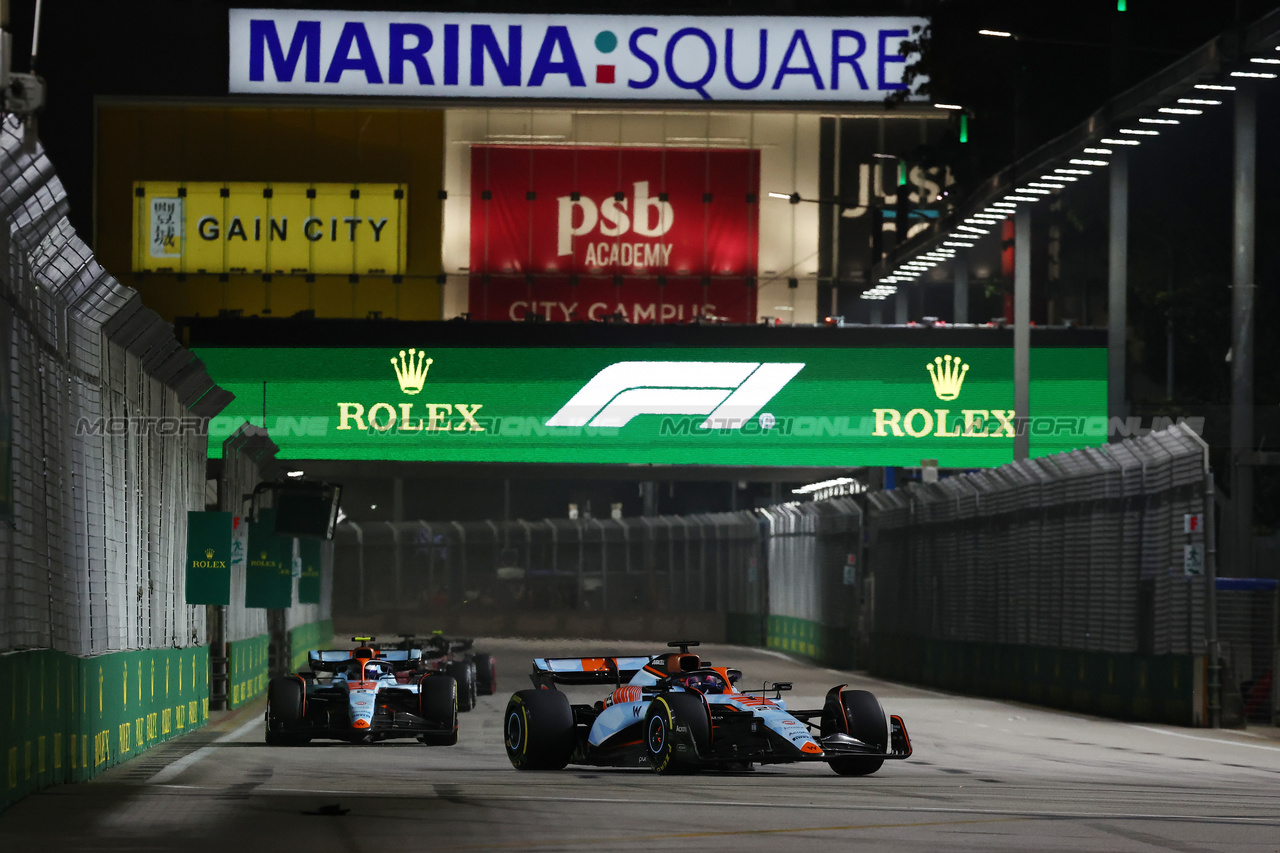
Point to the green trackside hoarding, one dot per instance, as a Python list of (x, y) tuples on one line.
[(756, 405)]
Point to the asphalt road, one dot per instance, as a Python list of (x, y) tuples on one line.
[(986, 776)]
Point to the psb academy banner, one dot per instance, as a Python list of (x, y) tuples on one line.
[(615, 57), (698, 406), (657, 234)]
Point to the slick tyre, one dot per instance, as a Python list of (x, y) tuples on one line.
[(539, 730), (677, 730), (285, 697), (486, 675), (858, 714), (464, 672), (438, 705)]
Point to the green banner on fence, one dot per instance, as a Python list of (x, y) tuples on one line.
[(268, 566), (208, 558), (309, 581)]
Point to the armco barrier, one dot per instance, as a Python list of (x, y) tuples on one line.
[(1155, 688), (66, 719), (829, 645)]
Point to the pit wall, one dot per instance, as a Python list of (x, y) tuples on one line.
[(68, 719), (1153, 688)]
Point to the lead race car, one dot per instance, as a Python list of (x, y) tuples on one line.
[(676, 713), (363, 695)]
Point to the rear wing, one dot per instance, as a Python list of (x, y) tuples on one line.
[(331, 660), (601, 670)]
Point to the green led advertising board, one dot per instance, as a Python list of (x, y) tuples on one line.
[(774, 406)]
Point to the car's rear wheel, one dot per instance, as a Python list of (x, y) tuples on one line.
[(858, 714), (486, 675), (539, 730), (438, 705), (677, 730), (464, 672)]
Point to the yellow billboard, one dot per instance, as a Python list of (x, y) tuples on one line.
[(285, 228)]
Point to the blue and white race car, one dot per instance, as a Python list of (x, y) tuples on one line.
[(363, 695), (675, 712)]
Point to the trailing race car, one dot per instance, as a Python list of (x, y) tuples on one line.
[(363, 695), (676, 713), (476, 673)]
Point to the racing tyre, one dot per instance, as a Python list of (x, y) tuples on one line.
[(464, 673), (284, 706), (438, 705), (858, 714), (486, 675), (539, 729), (677, 730)]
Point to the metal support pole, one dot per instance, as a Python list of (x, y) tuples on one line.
[(1242, 292), (960, 311), (1022, 331), (877, 316), (1211, 608), (901, 302), (1117, 285)]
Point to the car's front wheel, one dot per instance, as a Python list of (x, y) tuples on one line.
[(677, 730), (858, 714), (438, 705)]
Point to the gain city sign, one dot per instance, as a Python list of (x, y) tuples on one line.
[(699, 406), (614, 57)]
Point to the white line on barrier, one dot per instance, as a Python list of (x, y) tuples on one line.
[(203, 752)]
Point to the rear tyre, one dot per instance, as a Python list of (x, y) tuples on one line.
[(859, 715), (465, 674), (539, 729), (438, 705), (677, 730), (486, 675), (285, 698)]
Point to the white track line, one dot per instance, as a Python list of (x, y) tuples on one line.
[(203, 752), (1219, 741)]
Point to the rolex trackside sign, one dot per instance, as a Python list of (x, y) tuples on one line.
[(830, 406)]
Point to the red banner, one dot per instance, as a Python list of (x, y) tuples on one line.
[(658, 235)]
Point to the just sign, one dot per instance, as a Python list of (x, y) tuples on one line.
[(440, 54)]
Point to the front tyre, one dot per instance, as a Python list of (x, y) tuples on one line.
[(465, 674), (486, 675), (539, 730), (438, 705), (677, 730), (858, 713), (285, 708)]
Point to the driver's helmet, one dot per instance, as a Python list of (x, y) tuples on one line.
[(703, 682), (373, 670)]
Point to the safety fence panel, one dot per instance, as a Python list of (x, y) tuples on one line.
[(1054, 552), (102, 453)]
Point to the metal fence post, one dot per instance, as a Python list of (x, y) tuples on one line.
[(1211, 596)]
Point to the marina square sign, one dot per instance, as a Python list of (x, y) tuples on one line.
[(776, 406), (611, 57)]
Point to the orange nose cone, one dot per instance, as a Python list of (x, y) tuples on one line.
[(364, 724), (811, 748)]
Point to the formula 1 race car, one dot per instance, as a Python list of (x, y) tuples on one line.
[(675, 713), (475, 672), (363, 695)]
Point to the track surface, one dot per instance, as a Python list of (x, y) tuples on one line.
[(987, 776)]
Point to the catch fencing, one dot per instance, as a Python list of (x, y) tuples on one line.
[(104, 455), (1082, 550)]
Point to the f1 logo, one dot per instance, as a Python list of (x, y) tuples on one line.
[(730, 393)]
